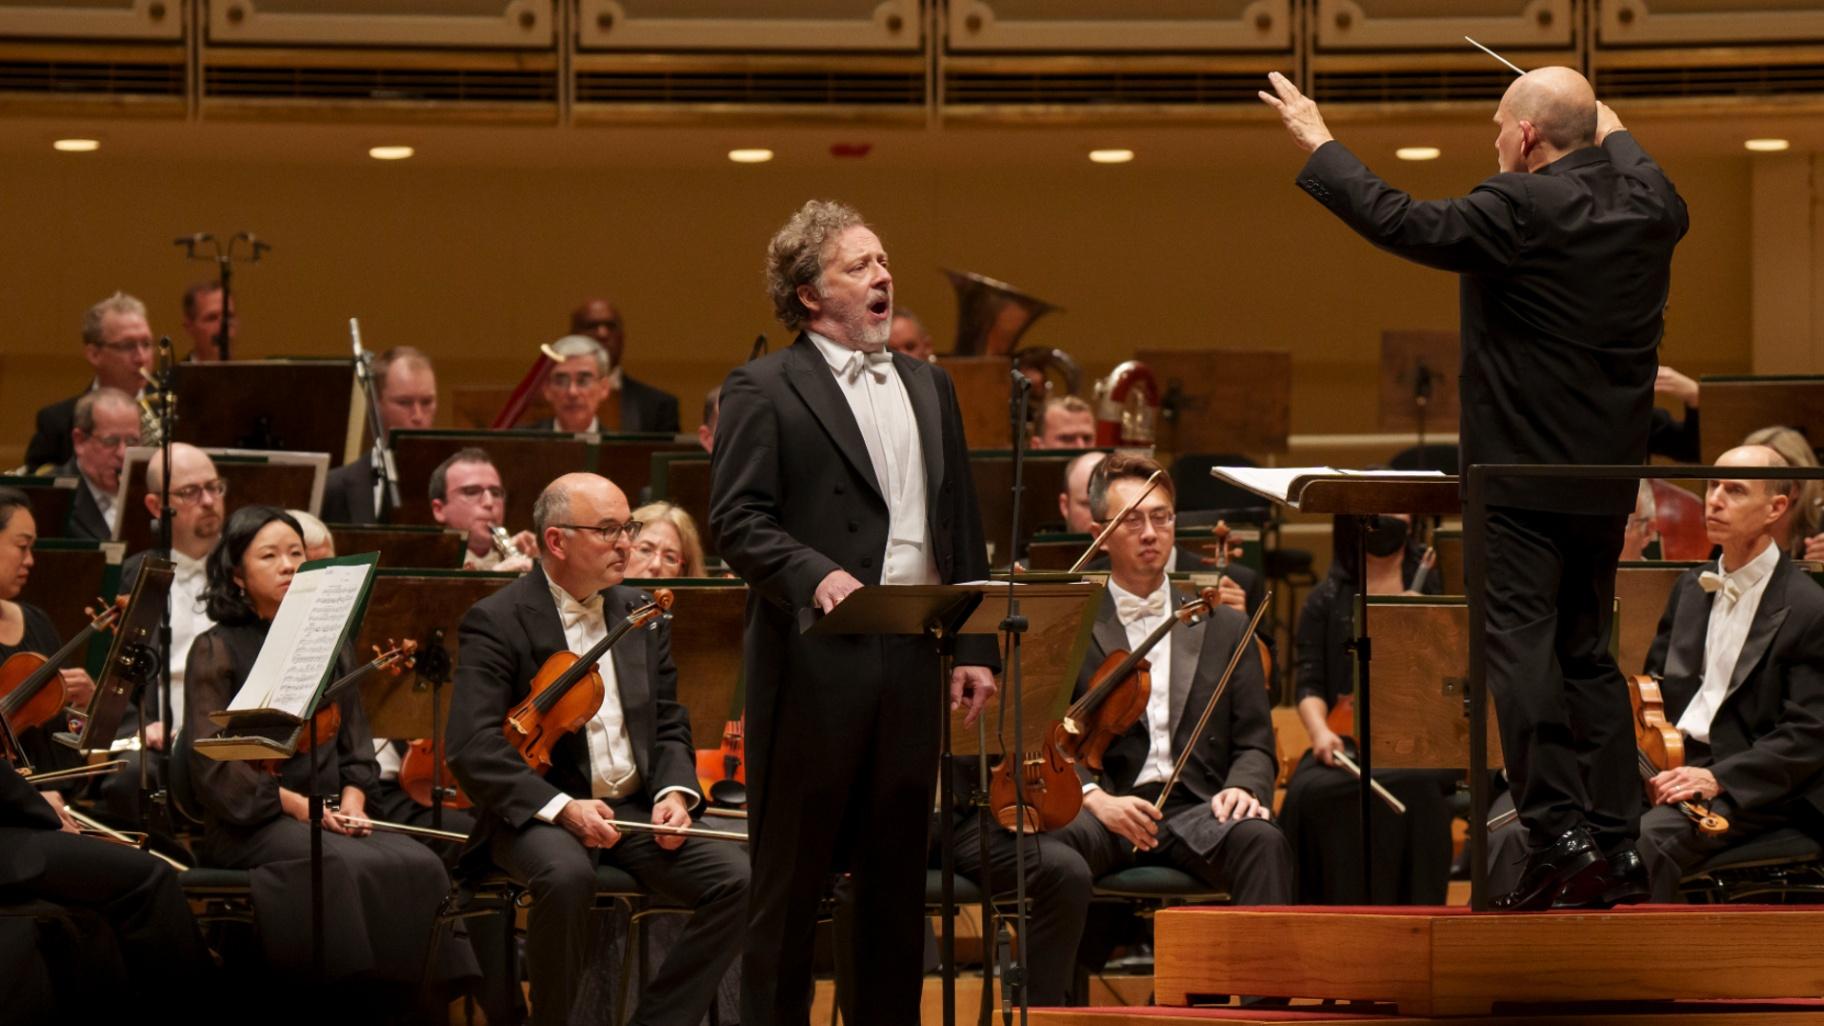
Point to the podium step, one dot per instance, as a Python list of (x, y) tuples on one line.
[(1703, 1013), (1445, 961)]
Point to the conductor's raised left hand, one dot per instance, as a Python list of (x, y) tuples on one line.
[(972, 686), (1298, 111)]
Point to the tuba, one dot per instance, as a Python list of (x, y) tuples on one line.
[(991, 315), (1127, 406)]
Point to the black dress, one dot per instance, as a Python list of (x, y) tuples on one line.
[(45, 754), (1321, 814), (381, 892)]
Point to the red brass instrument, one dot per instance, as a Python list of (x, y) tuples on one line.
[(1113, 703), (991, 315), (567, 690), (1659, 746), (31, 688), (1127, 406), (1678, 519), (526, 389)]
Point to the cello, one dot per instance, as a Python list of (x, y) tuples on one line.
[(567, 690), (1114, 701)]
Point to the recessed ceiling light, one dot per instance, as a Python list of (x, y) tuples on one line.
[(1111, 156), (1768, 145), (754, 155), (1418, 153), (76, 145), (390, 152)]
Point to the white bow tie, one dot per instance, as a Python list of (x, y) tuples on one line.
[(1712, 581), (875, 363), (575, 613), (1129, 608)]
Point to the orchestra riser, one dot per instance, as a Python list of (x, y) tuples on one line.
[(1112, 990), (1442, 961), (1728, 1014)]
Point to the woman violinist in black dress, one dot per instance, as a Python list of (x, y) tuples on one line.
[(25, 628)]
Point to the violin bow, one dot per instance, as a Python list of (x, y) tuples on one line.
[(1244, 645), (1115, 521)]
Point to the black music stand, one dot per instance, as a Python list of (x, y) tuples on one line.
[(1362, 495), (942, 612), (252, 404), (134, 662)]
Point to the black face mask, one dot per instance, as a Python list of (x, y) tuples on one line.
[(1386, 537)]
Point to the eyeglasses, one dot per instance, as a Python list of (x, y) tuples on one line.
[(562, 382), (666, 557), (607, 532), (114, 441), (129, 346), (1160, 519), (191, 494), (473, 492)]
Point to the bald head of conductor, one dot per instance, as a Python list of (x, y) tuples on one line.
[(1544, 115)]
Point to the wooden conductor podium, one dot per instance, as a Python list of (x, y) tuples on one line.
[(289, 480)]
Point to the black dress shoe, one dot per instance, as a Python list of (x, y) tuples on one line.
[(1570, 869), (1626, 883)]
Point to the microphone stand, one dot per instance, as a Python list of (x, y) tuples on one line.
[(1421, 397), (224, 258), (150, 797), (383, 447), (1014, 627)]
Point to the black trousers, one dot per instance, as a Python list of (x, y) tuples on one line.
[(707, 876), (1548, 598), (1057, 888), (846, 780), (1252, 861), (137, 896)]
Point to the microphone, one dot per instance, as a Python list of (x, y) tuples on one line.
[(164, 356), (1421, 384), (193, 239)]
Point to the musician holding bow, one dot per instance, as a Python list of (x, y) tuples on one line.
[(633, 761)]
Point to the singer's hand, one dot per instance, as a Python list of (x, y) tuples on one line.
[(835, 586)]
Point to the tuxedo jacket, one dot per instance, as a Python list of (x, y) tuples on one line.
[(23, 811), (504, 640), (348, 492), (51, 443), (643, 408), (1767, 739), (1564, 274), (1236, 749), (86, 520)]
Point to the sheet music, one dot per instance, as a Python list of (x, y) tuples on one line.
[(301, 645), (1276, 482)]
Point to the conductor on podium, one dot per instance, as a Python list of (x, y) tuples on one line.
[(839, 464), (1564, 260)]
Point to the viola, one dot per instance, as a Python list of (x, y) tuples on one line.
[(722, 771), (422, 774), (327, 723), (566, 691), (31, 689), (1221, 553), (1659, 746), (1114, 701)]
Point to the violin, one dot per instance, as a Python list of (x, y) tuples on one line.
[(1114, 701), (27, 698), (567, 690), (327, 723), (719, 768), (1659, 746), (1221, 553)]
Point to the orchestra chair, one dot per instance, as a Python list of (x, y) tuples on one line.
[(225, 896), (1784, 865)]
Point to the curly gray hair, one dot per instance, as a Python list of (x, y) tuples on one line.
[(794, 257)]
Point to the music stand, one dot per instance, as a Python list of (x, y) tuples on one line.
[(427, 548), (708, 616), (133, 662), (1362, 495), (289, 480), (52, 499), (1418, 380), (1222, 400), (940, 613), (68, 575), (1737, 405), (682, 479), (253, 404), (1422, 677), (992, 471)]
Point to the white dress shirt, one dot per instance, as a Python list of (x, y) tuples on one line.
[(1139, 624), (104, 501), (613, 773), (1736, 599), (188, 619), (883, 412)]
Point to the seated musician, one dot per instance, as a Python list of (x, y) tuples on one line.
[(1640, 531), (1740, 651), (118, 345), (318, 542), (25, 628), (712, 408), (466, 495), (1320, 814), (632, 761), (1065, 422), (383, 890), (203, 322), (1216, 823), (909, 336), (406, 384), (136, 896), (668, 546), (1073, 501), (1801, 531), (107, 422), (628, 404)]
